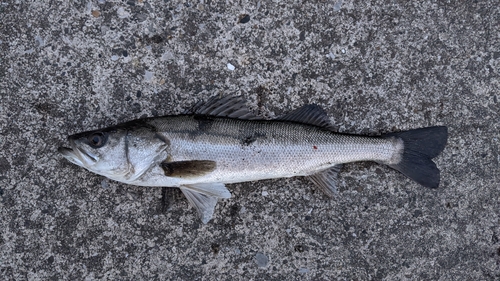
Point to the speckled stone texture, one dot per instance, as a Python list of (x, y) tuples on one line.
[(374, 66)]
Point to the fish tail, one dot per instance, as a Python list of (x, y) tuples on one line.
[(419, 147)]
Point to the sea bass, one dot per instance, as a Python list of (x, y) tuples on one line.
[(221, 142)]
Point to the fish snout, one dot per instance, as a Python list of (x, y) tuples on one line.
[(65, 151)]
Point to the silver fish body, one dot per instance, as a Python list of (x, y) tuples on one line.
[(245, 150), (218, 144)]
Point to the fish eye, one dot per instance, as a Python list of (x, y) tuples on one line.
[(97, 140)]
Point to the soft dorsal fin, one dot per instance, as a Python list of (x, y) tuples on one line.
[(311, 114), (230, 106), (327, 180)]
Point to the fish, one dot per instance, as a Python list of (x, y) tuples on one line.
[(221, 141)]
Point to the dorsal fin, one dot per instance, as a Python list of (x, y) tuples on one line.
[(230, 106), (311, 114)]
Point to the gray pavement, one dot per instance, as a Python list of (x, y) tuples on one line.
[(374, 66)]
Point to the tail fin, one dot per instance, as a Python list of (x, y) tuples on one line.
[(420, 146)]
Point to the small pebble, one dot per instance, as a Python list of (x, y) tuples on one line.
[(39, 41), (230, 67), (122, 13), (336, 6), (148, 75), (244, 18), (261, 260), (104, 184)]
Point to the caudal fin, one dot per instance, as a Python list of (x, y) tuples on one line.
[(420, 146)]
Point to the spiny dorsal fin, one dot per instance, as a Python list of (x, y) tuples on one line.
[(311, 114), (327, 180), (188, 169), (230, 106)]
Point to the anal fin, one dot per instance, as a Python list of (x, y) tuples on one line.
[(327, 180)]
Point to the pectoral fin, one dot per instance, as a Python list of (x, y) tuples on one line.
[(188, 169), (327, 180), (204, 204)]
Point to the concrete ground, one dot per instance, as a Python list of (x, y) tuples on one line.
[(374, 66)]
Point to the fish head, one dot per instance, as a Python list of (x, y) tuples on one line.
[(123, 153), (101, 151)]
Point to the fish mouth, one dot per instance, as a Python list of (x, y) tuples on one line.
[(70, 155), (77, 156)]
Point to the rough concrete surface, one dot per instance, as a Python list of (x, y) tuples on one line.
[(374, 66)]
